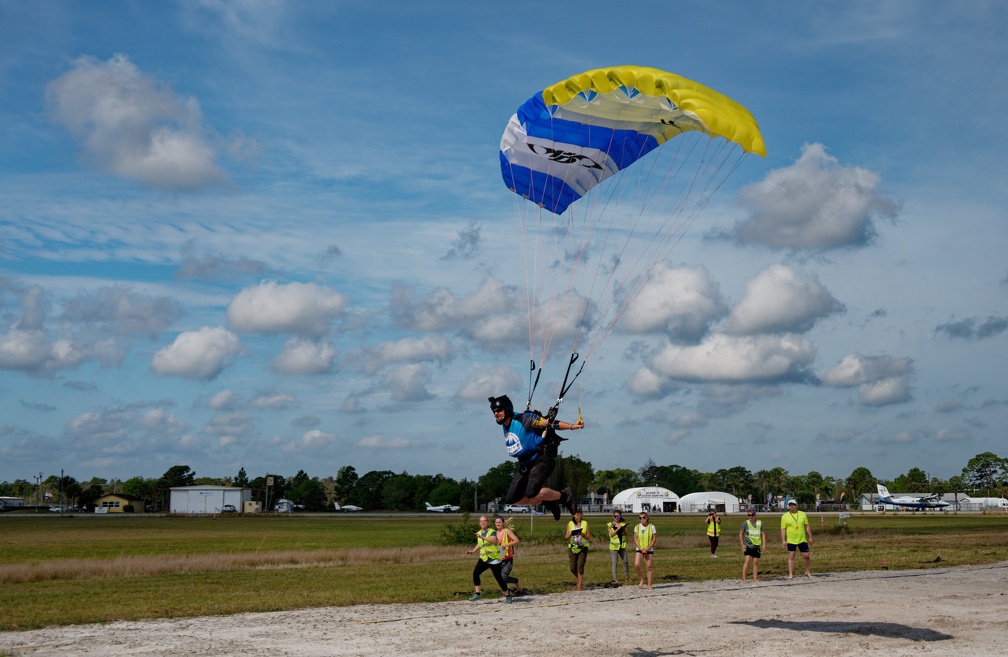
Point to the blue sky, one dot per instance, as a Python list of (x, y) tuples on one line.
[(274, 236)]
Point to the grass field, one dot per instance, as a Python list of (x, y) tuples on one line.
[(58, 571)]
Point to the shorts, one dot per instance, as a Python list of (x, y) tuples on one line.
[(529, 479), (802, 547), (753, 551)]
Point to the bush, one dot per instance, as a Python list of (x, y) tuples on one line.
[(462, 533)]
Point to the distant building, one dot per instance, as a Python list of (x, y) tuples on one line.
[(11, 502), (700, 502), (652, 499), (116, 503), (208, 499)]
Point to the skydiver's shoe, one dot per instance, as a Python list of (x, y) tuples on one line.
[(567, 500), (507, 599), (475, 597), (554, 508)]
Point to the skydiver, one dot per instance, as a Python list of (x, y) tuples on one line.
[(532, 439)]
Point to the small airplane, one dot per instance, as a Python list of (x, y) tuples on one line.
[(444, 508), (923, 502), (348, 508)]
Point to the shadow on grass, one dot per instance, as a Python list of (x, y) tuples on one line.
[(888, 630)]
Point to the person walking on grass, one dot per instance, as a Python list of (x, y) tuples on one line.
[(489, 559), (644, 540), (796, 535), (752, 538)]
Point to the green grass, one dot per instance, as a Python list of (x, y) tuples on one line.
[(57, 571)]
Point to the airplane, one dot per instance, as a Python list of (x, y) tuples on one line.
[(444, 508), (348, 508), (925, 502)]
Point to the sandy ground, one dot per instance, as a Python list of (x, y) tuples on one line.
[(950, 611)]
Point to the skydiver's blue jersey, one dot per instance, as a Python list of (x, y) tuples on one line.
[(523, 436)]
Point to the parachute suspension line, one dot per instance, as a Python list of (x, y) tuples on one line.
[(532, 386), (564, 387)]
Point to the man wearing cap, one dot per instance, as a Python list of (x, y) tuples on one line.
[(796, 534), (525, 439)]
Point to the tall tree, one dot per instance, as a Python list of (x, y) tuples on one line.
[(346, 479), (177, 475), (985, 471), (859, 482)]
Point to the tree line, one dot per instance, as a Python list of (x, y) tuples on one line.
[(985, 474)]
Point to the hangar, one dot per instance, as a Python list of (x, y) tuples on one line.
[(652, 499), (208, 499), (699, 502)]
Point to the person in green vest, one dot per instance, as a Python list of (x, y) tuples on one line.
[(644, 540), (578, 537), (752, 538), (796, 535), (713, 530), (617, 546), (489, 558)]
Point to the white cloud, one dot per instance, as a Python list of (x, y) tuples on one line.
[(271, 307), (778, 300), (305, 357), (380, 442), (134, 126), (491, 381), (408, 383), (430, 348), (881, 380), (198, 354), (813, 204), (681, 301), (275, 402), (726, 359)]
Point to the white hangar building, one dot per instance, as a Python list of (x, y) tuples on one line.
[(207, 499), (652, 499)]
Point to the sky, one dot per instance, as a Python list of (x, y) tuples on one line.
[(274, 236)]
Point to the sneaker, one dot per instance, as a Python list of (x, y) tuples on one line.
[(554, 508), (507, 599), (567, 500), (475, 597)]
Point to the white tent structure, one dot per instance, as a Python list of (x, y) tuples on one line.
[(207, 499), (652, 499), (700, 502)]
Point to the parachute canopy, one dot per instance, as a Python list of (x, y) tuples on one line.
[(616, 164), (573, 135)]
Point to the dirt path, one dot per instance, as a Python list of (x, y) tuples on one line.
[(953, 611)]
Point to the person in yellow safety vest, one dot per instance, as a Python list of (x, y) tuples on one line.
[(713, 530), (796, 535), (507, 540), (489, 558), (617, 545), (752, 538), (644, 540), (578, 537)]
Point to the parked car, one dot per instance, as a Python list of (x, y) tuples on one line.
[(228, 508), (515, 508)]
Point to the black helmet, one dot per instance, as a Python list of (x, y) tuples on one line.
[(501, 403)]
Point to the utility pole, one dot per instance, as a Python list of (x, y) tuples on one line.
[(38, 492)]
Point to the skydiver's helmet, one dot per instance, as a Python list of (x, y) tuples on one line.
[(502, 403)]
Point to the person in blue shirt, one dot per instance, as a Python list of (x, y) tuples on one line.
[(532, 439)]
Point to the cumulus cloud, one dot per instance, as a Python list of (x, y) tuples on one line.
[(466, 244), (271, 307), (491, 381), (881, 380), (493, 313), (680, 301), (813, 204), (274, 401), (223, 400), (312, 440), (305, 357), (408, 383), (198, 354), (133, 125), (35, 353), (409, 350), (118, 310), (216, 266), (731, 359), (974, 328), (778, 300), (127, 429)]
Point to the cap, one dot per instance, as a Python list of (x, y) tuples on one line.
[(790, 502)]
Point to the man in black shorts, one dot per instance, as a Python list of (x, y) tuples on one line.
[(532, 439)]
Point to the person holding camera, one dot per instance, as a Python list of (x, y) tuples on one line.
[(617, 546), (713, 530), (578, 537)]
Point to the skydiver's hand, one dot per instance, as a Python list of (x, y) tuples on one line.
[(578, 425)]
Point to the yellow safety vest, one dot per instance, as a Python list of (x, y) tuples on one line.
[(488, 551), (645, 536), (713, 529), (503, 537), (617, 541), (754, 532), (576, 547)]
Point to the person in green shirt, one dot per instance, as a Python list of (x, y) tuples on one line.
[(796, 536)]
